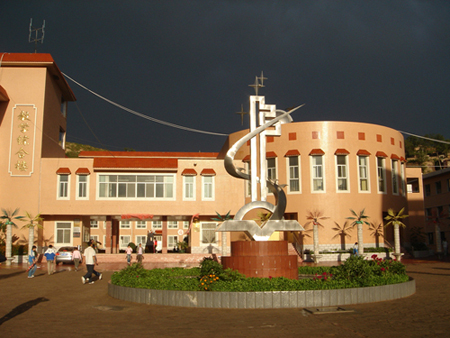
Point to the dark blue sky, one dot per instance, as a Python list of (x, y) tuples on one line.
[(190, 63)]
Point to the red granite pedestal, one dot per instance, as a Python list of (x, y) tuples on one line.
[(262, 259)]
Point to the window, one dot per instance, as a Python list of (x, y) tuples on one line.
[(402, 178), (172, 242), (208, 187), (125, 225), (317, 173), (394, 164), (82, 186), (430, 238), (428, 213), (172, 225), (249, 182), (158, 240), (363, 172), (63, 186), (381, 172), (124, 241), (208, 233), (342, 172), (157, 224), (412, 184), (94, 237), (136, 186), (64, 107), (185, 224), (141, 225), (62, 138), (189, 187), (271, 169), (294, 177), (438, 187), (427, 190), (141, 240), (94, 224), (63, 233)]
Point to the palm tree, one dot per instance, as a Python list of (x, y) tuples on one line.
[(359, 220), (32, 222), (342, 232), (377, 232), (395, 219), (9, 218), (314, 217)]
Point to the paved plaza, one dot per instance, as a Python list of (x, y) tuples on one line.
[(60, 305)]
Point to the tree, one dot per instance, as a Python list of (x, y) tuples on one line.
[(342, 232), (395, 219), (377, 232), (359, 220), (31, 223), (9, 217), (315, 217)]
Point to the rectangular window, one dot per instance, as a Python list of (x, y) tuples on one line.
[(125, 224), (342, 172), (208, 187), (317, 173), (189, 187), (208, 233), (249, 182), (381, 172), (413, 185), (157, 224), (63, 233), (363, 172), (124, 241), (438, 187), (185, 224), (172, 242), (402, 178), (136, 186), (271, 169), (94, 224), (82, 186), (427, 190), (141, 225), (172, 225), (141, 240), (428, 214), (63, 186), (294, 176), (158, 240), (94, 237), (394, 164)]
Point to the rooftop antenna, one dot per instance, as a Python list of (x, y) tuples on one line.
[(38, 33)]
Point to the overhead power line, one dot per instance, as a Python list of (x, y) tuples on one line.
[(173, 125), (425, 138)]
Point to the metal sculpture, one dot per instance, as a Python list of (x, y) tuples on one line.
[(274, 117)]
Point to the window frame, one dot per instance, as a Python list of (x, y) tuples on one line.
[(139, 224), (381, 175), (342, 173), (122, 224), (216, 240), (366, 167), (290, 176), (189, 187), (172, 224), (70, 230), (315, 178), (66, 195), (395, 177), (208, 184), (123, 245), (86, 187), (94, 224)]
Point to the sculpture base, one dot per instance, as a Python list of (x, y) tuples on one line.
[(262, 259)]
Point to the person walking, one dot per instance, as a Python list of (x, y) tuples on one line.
[(76, 257), (90, 257), (32, 260), (50, 256), (129, 251), (150, 241), (140, 251)]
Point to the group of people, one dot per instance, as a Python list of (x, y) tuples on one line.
[(90, 256)]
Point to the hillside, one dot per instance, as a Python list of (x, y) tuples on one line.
[(73, 149)]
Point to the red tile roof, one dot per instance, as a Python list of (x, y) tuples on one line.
[(135, 163), (394, 157), (341, 151), (63, 171), (82, 171), (363, 152), (208, 172), (271, 154), (317, 152), (380, 154), (293, 152), (189, 172), (146, 154)]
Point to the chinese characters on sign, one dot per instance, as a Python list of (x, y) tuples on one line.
[(22, 135)]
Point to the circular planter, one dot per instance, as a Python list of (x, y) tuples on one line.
[(264, 300)]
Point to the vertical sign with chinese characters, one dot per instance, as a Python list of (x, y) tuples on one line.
[(23, 131)]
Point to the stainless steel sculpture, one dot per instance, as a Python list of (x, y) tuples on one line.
[(269, 116)]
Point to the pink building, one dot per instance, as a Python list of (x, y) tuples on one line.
[(118, 197)]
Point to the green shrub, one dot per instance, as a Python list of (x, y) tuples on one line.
[(210, 266)]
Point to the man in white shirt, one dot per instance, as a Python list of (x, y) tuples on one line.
[(91, 260)]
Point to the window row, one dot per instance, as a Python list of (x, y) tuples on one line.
[(437, 187), (154, 225), (136, 187), (341, 167)]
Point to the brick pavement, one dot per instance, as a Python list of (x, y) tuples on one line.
[(61, 305)]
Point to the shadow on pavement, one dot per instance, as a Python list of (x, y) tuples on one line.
[(9, 275), (22, 308)]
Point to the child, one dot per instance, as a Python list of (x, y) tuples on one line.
[(128, 251)]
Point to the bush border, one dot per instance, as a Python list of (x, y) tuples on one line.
[(264, 300)]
